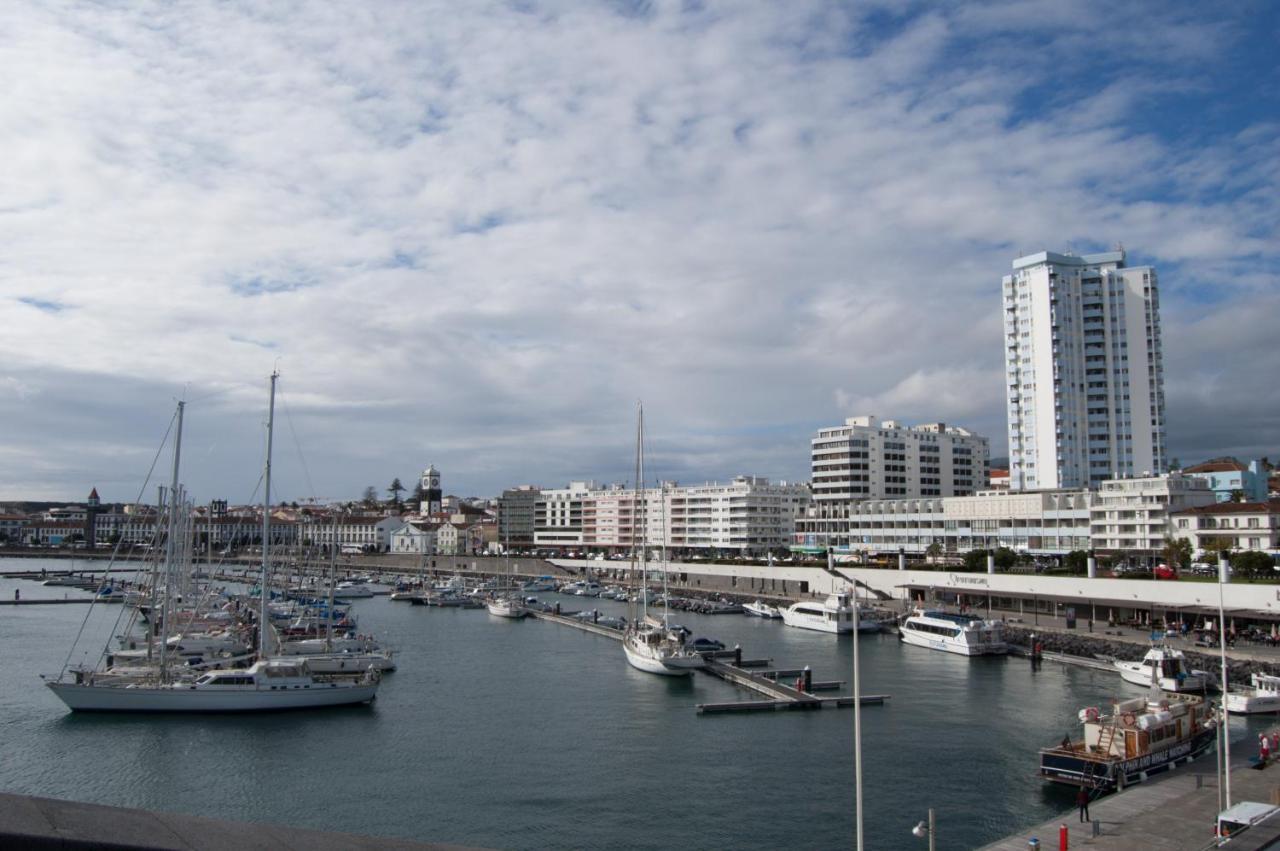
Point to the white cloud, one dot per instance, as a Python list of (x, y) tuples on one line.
[(474, 235)]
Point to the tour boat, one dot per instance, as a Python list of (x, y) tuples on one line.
[(761, 610), (962, 634), (1134, 740), (1263, 695), (1168, 667)]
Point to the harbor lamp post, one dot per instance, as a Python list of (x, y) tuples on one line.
[(1223, 568), (920, 831)]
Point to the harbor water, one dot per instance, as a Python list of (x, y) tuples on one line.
[(530, 734)]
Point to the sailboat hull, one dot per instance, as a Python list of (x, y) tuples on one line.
[(650, 665), (86, 698)]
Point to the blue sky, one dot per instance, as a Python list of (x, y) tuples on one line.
[(474, 234)]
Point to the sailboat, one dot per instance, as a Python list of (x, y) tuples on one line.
[(268, 684), (507, 603), (650, 644)]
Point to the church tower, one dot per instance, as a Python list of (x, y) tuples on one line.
[(431, 497), (92, 507)]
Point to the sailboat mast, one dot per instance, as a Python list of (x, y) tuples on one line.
[(264, 628), (170, 547), (641, 515)]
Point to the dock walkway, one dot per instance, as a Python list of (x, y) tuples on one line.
[(1172, 812)]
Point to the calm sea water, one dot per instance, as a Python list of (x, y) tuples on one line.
[(534, 735)]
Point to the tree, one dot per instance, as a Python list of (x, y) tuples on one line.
[(932, 551), (1218, 545), (975, 560), (1177, 553), (395, 490), (1252, 564), (1076, 562), (370, 498), (1237, 495), (1005, 558)]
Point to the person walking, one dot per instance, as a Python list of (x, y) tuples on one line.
[(1264, 748), (1082, 801)]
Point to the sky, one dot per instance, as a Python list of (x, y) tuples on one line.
[(477, 234)]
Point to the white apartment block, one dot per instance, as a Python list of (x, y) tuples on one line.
[(749, 515), (1230, 525), (1084, 373), (1040, 523), (868, 459), (1134, 515), (1130, 518)]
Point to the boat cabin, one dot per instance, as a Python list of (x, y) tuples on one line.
[(1140, 726)]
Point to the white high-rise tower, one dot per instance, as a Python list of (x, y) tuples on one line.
[(1084, 373)]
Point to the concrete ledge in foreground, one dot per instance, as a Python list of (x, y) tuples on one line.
[(39, 823)]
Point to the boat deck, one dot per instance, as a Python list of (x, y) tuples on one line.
[(1167, 813)]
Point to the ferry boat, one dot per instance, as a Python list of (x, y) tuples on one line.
[(1134, 740), (1263, 695), (962, 634), (1166, 667)]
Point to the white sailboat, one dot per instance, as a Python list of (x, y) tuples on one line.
[(507, 603), (268, 684), (650, 644)]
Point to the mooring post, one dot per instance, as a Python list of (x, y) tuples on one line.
[(808, 679), (737, 655)]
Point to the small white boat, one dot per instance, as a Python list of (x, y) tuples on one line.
[(1166, 668), (952, 633), (541, 584), (351, 591), (761, 610), (1262, 695), (507, 607)]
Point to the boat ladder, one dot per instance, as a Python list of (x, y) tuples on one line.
[(1105, 738)]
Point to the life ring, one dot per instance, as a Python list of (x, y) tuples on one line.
[(1128, 719)]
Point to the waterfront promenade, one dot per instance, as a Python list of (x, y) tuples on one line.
[(1174, 812)]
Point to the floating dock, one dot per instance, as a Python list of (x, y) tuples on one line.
[(776, 695)]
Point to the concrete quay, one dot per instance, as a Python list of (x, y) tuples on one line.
[(51, 823), (1172, 812)]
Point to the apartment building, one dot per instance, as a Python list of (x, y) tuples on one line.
[(1230, 525), (1084, 371), (1133, 516), (869, 459)]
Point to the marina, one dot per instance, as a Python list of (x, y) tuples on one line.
[(457, 671)]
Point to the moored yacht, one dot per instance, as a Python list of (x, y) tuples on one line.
[(652, 647), (1165, 667), (953, 633), (761, 609), (835, 614)]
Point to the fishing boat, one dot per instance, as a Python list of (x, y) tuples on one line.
[(1131, 741), (953, 633), (650, 644), (1261, 695), (761, 609), (1168, 667)]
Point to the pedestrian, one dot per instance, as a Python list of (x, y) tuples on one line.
[(1082, 801), (17, 595), (1264, 748)]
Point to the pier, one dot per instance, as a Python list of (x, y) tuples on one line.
[(1175, 811), (776, 695)]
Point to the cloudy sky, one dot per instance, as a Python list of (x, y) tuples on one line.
[(474, 234)]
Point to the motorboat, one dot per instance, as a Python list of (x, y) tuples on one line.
[(541, 584), (835, 614), (1133, 740), (1165, 667), (352, 591), (761, 610), (953, 633), (1261, 695)]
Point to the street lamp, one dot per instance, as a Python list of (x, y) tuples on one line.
[(921, 830)]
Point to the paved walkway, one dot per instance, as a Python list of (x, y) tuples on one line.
[(1174, 812)]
